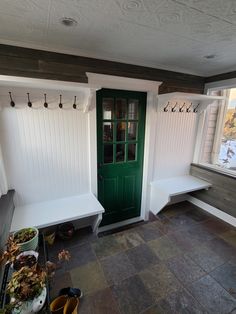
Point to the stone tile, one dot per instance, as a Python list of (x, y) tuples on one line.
[(149, 231), (197, 215), (164, 248), (222, 248), (226, 276), (106, 246), (142, 257), (156, 309), (216, 226), (199, 233), (206, 258), (132, 295), (185, 269), (100, 302), (180, 302), (89, 278), (159, 281), (229, 236), (128, 239), (185, 243), (176, 209), (182, 221), (117, 268), (58, 282), (80, 255), (165, 225), (212, 296)]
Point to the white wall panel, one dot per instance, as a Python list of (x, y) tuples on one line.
[(175, 139), (46, 153)]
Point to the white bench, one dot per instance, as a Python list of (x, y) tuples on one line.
[(57, 211), (162, 190)]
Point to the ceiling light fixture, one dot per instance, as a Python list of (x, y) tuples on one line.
[(68, 21), (211, 56)]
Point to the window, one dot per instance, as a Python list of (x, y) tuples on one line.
[(219, 133)]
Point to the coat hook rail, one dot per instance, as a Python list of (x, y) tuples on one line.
[(188, 109), (195, 109), (181, 108)]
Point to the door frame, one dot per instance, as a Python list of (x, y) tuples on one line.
[(99, 81)]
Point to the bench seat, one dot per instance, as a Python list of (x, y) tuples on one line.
[(162, 190), (45, 214)]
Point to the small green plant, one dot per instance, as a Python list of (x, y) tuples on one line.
[(24, 235)]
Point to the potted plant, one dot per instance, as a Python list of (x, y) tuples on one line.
[(27, 289), (27, 239), (27, 258)]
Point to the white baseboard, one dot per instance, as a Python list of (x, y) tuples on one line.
[(213, 210), (120, 224)]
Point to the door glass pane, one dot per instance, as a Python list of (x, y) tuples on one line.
[(107, 131), (108, 105), (121, 107), (108, 153), (120, 131), (120, 152), (133, 109), (132, 131), (131, 151)]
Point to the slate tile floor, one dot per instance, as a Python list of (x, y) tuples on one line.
[(182, 261)]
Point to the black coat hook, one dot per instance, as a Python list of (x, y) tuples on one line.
[(12, 102), (181, 108), (45, 101), (60, 104), (195, 109), (74, 104), (173, 108), (188, 109), (165, 108), (29, 102)]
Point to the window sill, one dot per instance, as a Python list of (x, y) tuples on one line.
[(217, 169)]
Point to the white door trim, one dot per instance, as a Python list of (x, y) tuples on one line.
[(124, 83)]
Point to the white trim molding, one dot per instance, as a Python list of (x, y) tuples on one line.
[(119, 82), (213, 210)]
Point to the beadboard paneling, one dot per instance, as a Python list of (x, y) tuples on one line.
[(175, 138), (46, 153)]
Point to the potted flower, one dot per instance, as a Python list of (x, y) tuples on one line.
[(27, 239), (27, 289)]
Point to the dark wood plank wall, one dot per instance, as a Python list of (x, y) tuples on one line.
[(221, 77), (222, 194), (33, 63)]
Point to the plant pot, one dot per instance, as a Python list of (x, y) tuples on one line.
[(31, 244), (32, 306), (26, 253), (66, 231)]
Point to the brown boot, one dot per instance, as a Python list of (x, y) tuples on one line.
[(58, 304), (71, 306)]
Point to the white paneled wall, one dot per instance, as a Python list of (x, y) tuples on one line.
[(45, 152), (175, 140)]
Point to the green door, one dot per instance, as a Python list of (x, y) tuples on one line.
[(120, 143)]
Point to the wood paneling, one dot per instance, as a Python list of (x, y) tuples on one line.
[(175, 138), (222, 193), (221, 77), (33, 63), (46, 153)]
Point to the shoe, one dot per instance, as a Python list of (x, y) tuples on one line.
[(58, 304), (71, 306), (71, 292)]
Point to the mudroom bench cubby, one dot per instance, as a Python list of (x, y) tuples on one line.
[(162, 190), (45, 214)]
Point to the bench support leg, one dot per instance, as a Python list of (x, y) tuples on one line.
[(96, 223)]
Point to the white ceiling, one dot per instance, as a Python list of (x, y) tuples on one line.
[(167, 34)]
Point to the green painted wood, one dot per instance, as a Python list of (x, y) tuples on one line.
[(119, 178)]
